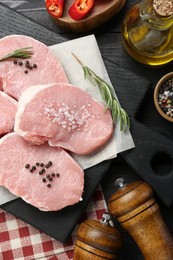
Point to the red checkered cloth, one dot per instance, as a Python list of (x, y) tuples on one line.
[(20, 241)]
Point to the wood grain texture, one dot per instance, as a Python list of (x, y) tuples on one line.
[(14, 3), (36, 10), (138, 213), (15, 23), (97, 241), (101, 12)]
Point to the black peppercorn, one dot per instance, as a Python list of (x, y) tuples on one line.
[(40, 172), (57, 175), (49, 185), (27, 66), (27, 166), (20, 63)]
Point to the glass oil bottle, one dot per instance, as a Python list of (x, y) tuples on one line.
[(147, 32)]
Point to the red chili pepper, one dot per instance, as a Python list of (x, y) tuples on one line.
[(80, 9), (55, 7)]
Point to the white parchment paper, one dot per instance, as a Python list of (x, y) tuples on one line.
[(87, 50)]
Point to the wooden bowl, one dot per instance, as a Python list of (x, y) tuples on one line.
[(102, 11), (160, 83)]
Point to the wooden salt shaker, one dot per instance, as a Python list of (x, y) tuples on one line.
[(97, 240), (138, 213)]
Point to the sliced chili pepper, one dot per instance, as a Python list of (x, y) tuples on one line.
[(80, 9), (55, 7)]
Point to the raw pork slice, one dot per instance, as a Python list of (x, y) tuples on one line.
[(14, 78), (8, 108), (60, 171), (63, 115)]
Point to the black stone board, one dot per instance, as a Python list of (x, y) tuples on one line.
[(152, 158), (59, 225)]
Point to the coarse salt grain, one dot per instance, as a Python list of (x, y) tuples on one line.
[(68, 118)]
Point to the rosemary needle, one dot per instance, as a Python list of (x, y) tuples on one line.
[(23, 53), (107, 95)]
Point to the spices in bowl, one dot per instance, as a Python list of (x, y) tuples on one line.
[(163, 96)]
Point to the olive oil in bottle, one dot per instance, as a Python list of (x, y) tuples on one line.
[(148, 32)]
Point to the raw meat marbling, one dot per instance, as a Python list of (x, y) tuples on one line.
[(8, 108), (63, 115), (65, 190), (14, 80)]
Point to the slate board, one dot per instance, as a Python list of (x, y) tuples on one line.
[(59, 225), (152, 158)]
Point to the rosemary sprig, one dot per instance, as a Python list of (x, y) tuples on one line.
[(108, 96), (23, 53)]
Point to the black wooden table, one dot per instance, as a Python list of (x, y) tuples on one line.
[(110, 43)]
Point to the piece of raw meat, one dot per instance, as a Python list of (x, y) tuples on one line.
[(8, 108), (14, 78), (60, 171), (63, 115)]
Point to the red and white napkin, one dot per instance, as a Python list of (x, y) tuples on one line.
[(20, 241)]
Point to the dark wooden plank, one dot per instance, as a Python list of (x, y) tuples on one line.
[(36, 10), (12, 22)]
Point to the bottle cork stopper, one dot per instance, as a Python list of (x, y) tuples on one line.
[(163, 7)]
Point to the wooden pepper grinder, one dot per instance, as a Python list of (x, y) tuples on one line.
[(138, 213), (97, 240)]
